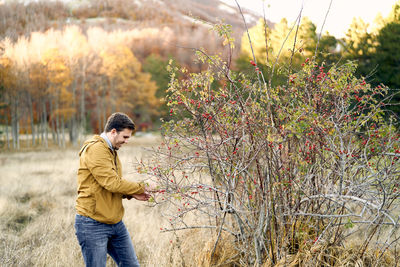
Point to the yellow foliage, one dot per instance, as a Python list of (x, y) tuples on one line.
[(59, 78), (6, 76), (38, 78), (58, 72), (131, 88), (280, 38)]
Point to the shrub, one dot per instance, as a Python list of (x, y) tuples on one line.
[(282, 169)]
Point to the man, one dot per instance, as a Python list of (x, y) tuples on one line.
[(98, 223)]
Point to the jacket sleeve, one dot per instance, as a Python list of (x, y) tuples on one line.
[(100, 164)]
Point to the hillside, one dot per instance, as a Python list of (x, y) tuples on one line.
[(159, 26)]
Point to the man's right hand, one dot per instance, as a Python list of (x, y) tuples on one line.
[(142, 197)]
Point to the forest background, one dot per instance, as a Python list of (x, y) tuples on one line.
[(65, 66)]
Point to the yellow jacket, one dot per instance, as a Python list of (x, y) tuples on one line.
[(100, 185)]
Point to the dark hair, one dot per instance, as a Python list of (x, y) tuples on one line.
[(119, 121)]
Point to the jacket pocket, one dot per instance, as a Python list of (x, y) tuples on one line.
[(108, 205)]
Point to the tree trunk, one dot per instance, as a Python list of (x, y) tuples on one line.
[(57, 125), (52, 124), (104, 109), (63, 132), (15, 123), (30, 107), (40, 128), (98, 109), (113, 97), (73, 121), (101, 107), (104, 114), (37, 126), (44, 125), (82, 103), (7, 136)]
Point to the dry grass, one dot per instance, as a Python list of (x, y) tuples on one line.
[(37, 209), (37, 198), (335, 256)]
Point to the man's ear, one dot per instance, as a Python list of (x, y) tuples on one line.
[(114, 131)]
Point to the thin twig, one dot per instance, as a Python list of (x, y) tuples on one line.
[(265, 34), (283, 44), (198, 227), (247, 31), (322, 27), (295, 39)]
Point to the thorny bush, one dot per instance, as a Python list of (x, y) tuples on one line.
[(282, 169)]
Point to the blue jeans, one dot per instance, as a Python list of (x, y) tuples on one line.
[(97, 239)]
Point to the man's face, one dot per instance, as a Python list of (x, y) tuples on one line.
[(119, 138)]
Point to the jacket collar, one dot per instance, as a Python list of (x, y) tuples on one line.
[(104, 136)]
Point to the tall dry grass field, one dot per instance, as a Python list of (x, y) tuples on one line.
[(37, 198)]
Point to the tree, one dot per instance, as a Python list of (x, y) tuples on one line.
[(359, 46), (157, 67), (39, 85), (75, 50), (59, 79), (7, 81), (17, 55), (386, 58), (395, 13), (376, 52), (129, 88)]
